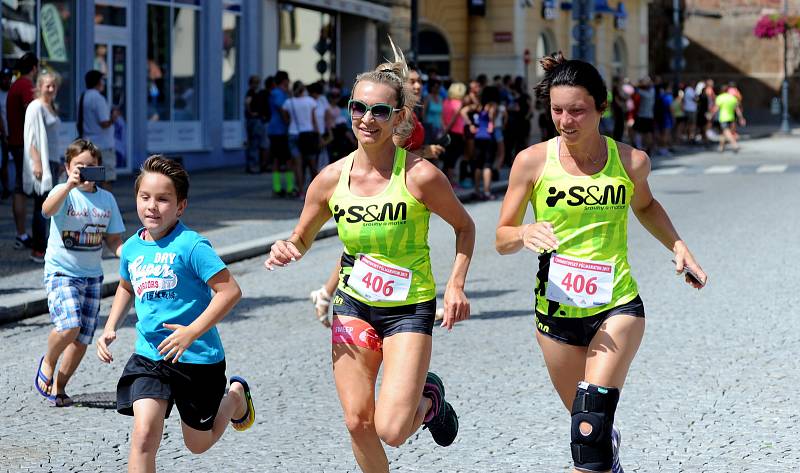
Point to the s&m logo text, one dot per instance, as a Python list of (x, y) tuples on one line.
[(374, 214), (591, 196)]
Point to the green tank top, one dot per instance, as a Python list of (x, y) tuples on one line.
[(391, 227), (590, 219)]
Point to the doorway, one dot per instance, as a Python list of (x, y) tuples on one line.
[(112, 58)]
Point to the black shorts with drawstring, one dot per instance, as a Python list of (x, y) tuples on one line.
[(581, 331), (197, 389)]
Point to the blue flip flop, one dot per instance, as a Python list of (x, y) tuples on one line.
[(47, 381)]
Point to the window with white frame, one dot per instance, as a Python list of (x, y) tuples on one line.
[(232, 126), (544, 46), (231, 78), (307, 47), (172, 60), (173, 87), (619, 60)]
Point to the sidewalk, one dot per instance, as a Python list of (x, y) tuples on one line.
[(233, 210)]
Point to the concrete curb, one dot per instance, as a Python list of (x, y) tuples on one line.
[(30, 306)]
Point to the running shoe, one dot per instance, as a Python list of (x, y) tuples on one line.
[(249, 417), (443, 421), (22, 242), (616, 440), (37, 256)]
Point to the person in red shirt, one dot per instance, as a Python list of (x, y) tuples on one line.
[(19, 96)]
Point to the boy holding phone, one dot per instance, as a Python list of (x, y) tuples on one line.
[(82, 217)]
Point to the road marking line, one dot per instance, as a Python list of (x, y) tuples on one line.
[(720, 169), (769, 168), (669, 171)]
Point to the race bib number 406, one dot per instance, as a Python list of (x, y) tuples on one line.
[(379, 281), (580, 282)]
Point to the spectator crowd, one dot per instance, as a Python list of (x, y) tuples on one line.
[(472, 130)]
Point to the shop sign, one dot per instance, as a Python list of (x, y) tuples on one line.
[(174, 136), (502, 36), (549, 9), (53, 34), (232, 135), (620, 17)]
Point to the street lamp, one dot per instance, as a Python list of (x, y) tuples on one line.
[(785, 85), (582, 13), (414, 31)]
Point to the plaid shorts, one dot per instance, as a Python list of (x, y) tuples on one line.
[(74, 302)]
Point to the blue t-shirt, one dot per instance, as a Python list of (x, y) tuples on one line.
[(170, 285), (75, 245), (276, 125)]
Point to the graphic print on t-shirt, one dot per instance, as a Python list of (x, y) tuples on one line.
[(87, 236), (154, 280)]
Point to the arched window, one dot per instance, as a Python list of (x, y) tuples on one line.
[(619, 58), (544, 45), (434, 53)]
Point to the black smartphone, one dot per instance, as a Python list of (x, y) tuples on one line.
[(93, 173), (692, 276)]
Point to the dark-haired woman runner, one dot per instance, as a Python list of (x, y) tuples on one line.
[(589, 316)]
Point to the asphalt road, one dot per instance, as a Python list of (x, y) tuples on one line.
[(711, 388)]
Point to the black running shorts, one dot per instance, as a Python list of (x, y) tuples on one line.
[(196, 389), (387, 321), (580, 331)]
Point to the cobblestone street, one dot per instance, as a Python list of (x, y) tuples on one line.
[(709, 391)]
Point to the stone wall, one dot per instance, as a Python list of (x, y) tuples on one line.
[(722, 47)]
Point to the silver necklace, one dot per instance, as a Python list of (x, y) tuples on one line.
[(588, 156)]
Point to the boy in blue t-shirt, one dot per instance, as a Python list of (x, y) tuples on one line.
[(82, 217), (171, 272)]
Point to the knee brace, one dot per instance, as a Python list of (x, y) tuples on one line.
[(591, 445)]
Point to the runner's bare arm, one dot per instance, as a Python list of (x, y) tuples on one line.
[(431, 151), (431, 187), (114, 243), (315, 213), (511, 235), (651, 214), (119, 310)]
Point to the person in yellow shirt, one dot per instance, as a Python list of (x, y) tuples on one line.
[(729, 112)]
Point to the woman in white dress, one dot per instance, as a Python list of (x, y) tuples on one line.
[(42, 163)]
